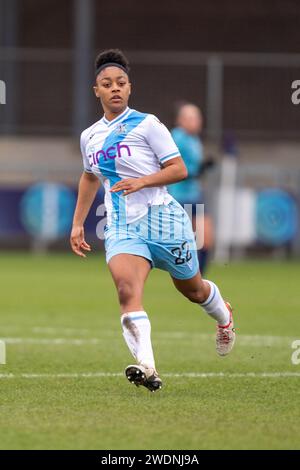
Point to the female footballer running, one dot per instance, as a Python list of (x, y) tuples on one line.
[(135, 157)]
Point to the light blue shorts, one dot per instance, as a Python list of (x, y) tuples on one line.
[(164, 236)]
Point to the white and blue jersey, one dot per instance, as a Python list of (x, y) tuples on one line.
[(149, 222), (132, 145)]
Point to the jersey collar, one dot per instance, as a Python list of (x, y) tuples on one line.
[(117, 119)]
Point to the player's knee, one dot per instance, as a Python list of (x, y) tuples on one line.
[(126, 292), (196, 296)]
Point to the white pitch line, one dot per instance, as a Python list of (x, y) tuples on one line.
[(193, 375), (66, 331), (243, 340), (225, 375), (62, 331), (52, 341), (84, 375)]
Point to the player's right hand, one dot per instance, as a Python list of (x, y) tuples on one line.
[(78, 242)]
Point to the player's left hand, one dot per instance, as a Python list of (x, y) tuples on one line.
[(128, 186)]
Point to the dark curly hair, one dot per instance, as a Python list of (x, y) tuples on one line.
[(112, 56)]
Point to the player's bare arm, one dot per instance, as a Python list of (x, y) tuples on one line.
[(87, 189), (174, 170)]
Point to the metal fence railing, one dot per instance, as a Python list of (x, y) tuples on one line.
[(250, 94)]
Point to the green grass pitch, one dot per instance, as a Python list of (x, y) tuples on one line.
[(60, 319)]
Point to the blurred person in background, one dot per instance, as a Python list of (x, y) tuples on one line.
[(186, 134)]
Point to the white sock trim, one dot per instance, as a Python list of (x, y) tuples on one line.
[(139, 315), (215, 306), (212, 294)]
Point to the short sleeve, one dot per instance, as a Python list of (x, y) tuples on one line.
[(85, 160), (190, 148), (161, 141)]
